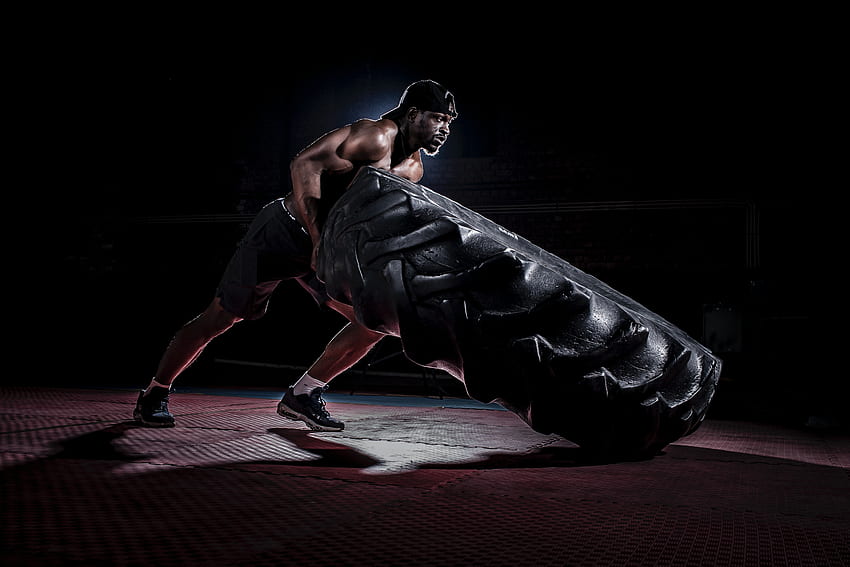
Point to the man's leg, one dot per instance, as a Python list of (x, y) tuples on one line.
[(303, 401), (188, 343), (191, 340)]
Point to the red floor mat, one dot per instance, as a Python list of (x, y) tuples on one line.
[(234, 484)]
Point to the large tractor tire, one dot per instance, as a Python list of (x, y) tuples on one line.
[(517, 325)]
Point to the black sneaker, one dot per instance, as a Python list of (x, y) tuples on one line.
[(152, 409), (309, 408)]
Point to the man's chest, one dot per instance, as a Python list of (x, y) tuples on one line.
[(409, 168)]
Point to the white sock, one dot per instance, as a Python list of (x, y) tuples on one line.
[(307, 384), (155, 384)]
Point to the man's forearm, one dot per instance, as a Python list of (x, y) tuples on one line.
[(307, 208), (306, 192)]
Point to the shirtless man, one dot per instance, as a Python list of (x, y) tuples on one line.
[(282, 243)]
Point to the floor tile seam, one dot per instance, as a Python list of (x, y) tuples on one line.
[(211, 411), (238, 469), (386, 483), (806, 444), (456, 480), (216, 467), (119, 422), (263, 411), (100, 393), (270, 410), (405, 411), (216, 408), (232, 469), (251, 432), (391, 422), (106, 390), (65, 425), (250, 405), (225, 401), (210, 428), (431, 443), (10, 417), (543, 443), (336, 434), (179, 411), (785, 461)]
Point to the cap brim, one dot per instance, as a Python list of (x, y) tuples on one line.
[(396, 112)]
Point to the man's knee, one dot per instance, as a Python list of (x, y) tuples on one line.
[(215, 319), (364, 336), (355, 331), (346, 311)]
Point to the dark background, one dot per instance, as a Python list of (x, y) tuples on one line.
[(675, 163)]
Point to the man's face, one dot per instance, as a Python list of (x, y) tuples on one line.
[(431, 130)]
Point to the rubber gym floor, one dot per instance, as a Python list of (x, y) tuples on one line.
[(410, 481)]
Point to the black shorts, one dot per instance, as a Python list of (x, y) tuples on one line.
[(274, 249)]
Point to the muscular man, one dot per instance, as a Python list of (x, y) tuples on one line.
[(282, 243)]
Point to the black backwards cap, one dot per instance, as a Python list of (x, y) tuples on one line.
[(424, 95)]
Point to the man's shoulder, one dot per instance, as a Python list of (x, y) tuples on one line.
[(368, 125), (375, 137)]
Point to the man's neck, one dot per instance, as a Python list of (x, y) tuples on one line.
[(401, 147)]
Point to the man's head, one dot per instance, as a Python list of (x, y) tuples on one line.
[(424, 95), (428, 108)]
